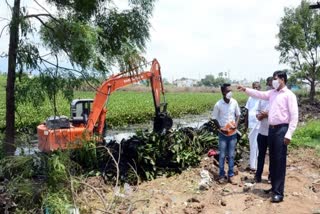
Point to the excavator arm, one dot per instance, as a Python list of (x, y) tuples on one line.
[(96, 119)]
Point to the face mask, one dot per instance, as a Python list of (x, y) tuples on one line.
[(229, 95), (275, 84)]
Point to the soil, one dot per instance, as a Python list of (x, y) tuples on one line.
[(181, 193)]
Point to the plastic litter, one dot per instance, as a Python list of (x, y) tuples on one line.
[(212, 152), (205, 181)]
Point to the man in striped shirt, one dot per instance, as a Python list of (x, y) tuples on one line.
[(283, 120)]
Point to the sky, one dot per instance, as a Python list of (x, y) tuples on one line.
[(192, 38)]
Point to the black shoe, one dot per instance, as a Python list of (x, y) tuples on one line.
[(267, 191), (257, 179), (276, 198)]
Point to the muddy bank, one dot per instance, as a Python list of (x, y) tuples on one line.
[(180, 193)]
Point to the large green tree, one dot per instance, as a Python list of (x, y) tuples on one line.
[(299, 43), (92, 35)]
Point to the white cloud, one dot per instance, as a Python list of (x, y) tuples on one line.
[(194, 38), (5, 12)]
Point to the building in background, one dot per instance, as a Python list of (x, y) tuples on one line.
[(185, 82)]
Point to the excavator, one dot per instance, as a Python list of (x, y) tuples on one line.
[(88, 116)]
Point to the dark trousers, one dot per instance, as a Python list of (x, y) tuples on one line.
[(278, 157), (262, 147)]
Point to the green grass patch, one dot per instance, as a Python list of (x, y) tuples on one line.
[(308, 135)]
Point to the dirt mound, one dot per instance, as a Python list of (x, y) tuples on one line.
[(181, 194), (308, 110)]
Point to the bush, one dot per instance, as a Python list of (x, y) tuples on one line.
[(307, 135)]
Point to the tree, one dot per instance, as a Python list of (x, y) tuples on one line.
[(208, 80), (8, 146), (299, 43), (93, 35)]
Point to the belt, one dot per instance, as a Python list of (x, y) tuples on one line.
[(278, 126)]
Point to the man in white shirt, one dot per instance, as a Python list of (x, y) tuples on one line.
[(262, 116), (226, 114), (252, 124)]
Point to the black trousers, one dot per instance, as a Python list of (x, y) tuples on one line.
[(278, 157), (262, 147)]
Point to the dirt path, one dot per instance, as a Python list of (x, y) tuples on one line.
[(181, 194)]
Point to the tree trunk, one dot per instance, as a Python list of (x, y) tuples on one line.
[(9, 145), (312, 93)]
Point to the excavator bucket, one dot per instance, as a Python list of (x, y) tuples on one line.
[(162, 122)]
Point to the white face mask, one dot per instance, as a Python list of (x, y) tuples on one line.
[(229, 95), (275, 84)]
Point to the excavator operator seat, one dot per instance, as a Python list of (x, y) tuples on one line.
[(80, 110)]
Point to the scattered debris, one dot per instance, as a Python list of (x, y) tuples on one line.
[(248, 186), (205, 181)]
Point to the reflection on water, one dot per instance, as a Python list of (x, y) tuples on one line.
[(29, 149), (194, 121), (118, 136)]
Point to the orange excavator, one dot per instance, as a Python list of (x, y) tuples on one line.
[(88, 116)]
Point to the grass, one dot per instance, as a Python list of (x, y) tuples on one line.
[(308, 135)]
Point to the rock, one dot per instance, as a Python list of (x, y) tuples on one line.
[(226, 190), (193, 200), (236, 170), (244, 178), (316, 186), (246, 189), (295, 194), (205, 181), (203, 186), (248, 186), (316, 211), (223, 202)]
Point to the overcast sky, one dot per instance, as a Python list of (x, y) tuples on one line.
[(195, 38)]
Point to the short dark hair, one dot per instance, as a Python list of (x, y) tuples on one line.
[(256, 82), (224, 86), (269, 79), (281, 75)]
